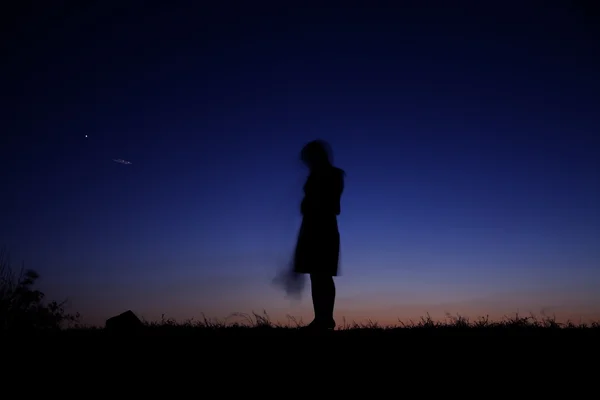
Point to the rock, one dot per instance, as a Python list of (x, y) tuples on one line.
[(126, 322)]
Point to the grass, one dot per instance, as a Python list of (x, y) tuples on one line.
[(260, 325)]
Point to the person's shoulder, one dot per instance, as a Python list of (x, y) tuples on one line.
[(328, 174), (338, 173)]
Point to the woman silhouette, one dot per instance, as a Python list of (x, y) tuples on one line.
[(318, 246)]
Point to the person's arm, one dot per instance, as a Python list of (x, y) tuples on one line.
[(339, 189), (323, 196)]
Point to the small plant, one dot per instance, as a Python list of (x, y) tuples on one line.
[(22, 307)]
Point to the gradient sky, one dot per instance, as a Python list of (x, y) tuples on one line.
[(469, 136)]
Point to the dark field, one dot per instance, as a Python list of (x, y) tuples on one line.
[(260, 326)]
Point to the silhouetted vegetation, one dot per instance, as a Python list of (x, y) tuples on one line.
[(260, 325), (22, 306), (23, 309)]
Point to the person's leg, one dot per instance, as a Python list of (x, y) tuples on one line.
[(317, 296), (331, 298), (323, 295)]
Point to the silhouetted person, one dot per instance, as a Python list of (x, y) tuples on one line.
[(318, 247)]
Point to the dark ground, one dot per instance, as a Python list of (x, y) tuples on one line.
[(260, 326)]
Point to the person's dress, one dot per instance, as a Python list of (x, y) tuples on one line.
[(318, 246)]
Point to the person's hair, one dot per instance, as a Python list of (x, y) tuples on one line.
[(317, 152)]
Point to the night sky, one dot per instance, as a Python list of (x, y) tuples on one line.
[(469, 135)]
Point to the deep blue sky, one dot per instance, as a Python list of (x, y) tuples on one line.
[(469, 136)]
